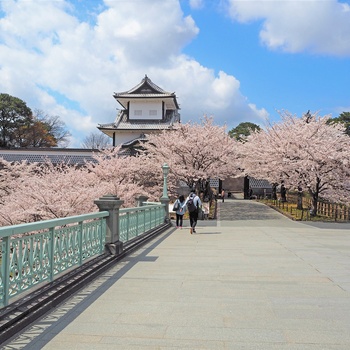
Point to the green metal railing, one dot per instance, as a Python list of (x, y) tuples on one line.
[(39, 252), (136, 221)]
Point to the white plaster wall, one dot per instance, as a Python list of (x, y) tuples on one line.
[(145, 110)]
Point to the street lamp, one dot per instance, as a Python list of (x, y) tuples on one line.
[(166, 169)]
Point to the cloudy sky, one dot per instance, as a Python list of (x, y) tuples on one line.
[(235, 60)]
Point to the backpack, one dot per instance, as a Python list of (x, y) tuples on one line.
[(176, 206), (190, 205)]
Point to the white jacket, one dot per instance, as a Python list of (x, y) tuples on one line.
[(196, 200)]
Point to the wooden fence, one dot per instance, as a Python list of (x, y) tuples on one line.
[(329, 211)]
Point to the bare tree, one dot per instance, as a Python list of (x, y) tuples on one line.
[(55, 127), (96, 140)]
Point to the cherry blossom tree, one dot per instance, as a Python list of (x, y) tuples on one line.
[(11, 175), (52, 191), (303, 152), (117, 175), (33, 192), (194, 152), (39, 192)]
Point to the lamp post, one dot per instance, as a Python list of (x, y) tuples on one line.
[(166, 169), (165, 199)]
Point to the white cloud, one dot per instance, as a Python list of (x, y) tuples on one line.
[(66, 67), (196, 4), (340, 109), (316, 26)]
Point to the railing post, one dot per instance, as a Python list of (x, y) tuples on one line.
[(52, 252), (139, 203), (165, 199), (5, 270), (80, 241), (111, 204)]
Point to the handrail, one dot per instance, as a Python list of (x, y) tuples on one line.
[(50, 248), (37, 252), (135, 221), (40, 225)]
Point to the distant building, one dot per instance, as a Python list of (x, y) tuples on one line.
[(146, 108)]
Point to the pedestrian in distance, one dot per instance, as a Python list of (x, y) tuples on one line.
[(223, 195), (283, 193), (179, 212), (192, 203), (250, 193)]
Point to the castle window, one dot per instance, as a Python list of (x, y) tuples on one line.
[(138, 112), (153, 112)]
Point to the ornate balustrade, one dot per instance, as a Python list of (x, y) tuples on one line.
[(136, 221), (39, 252)]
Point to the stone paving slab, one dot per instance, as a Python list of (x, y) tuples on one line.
[(251, 280)]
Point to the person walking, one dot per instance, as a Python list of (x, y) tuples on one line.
[(179, 212), (193, 204), (283, 193), (223, 195), (250, 193)]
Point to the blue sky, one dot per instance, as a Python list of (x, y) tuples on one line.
[(237, 60)]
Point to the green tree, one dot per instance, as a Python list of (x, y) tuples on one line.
[(14, 114), (242, 130), (344, 118), (19, 127)]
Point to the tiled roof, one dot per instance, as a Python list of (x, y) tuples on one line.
[(141, 138), (143, 95), (146, 89), (123, 123), (258, 183), (146, 85), (69, 156)]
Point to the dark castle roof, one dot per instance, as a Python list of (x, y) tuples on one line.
[(147, 89)]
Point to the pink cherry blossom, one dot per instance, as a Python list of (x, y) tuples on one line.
[(304, 152)]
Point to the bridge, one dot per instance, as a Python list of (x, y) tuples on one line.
[(252, 279)]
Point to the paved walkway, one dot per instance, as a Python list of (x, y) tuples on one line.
[(251, 280)]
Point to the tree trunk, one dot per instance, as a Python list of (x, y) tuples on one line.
[(300, 199), (313, 211), (274, 191)]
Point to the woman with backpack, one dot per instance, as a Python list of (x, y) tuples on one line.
[(193, 203), (179, 212)]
